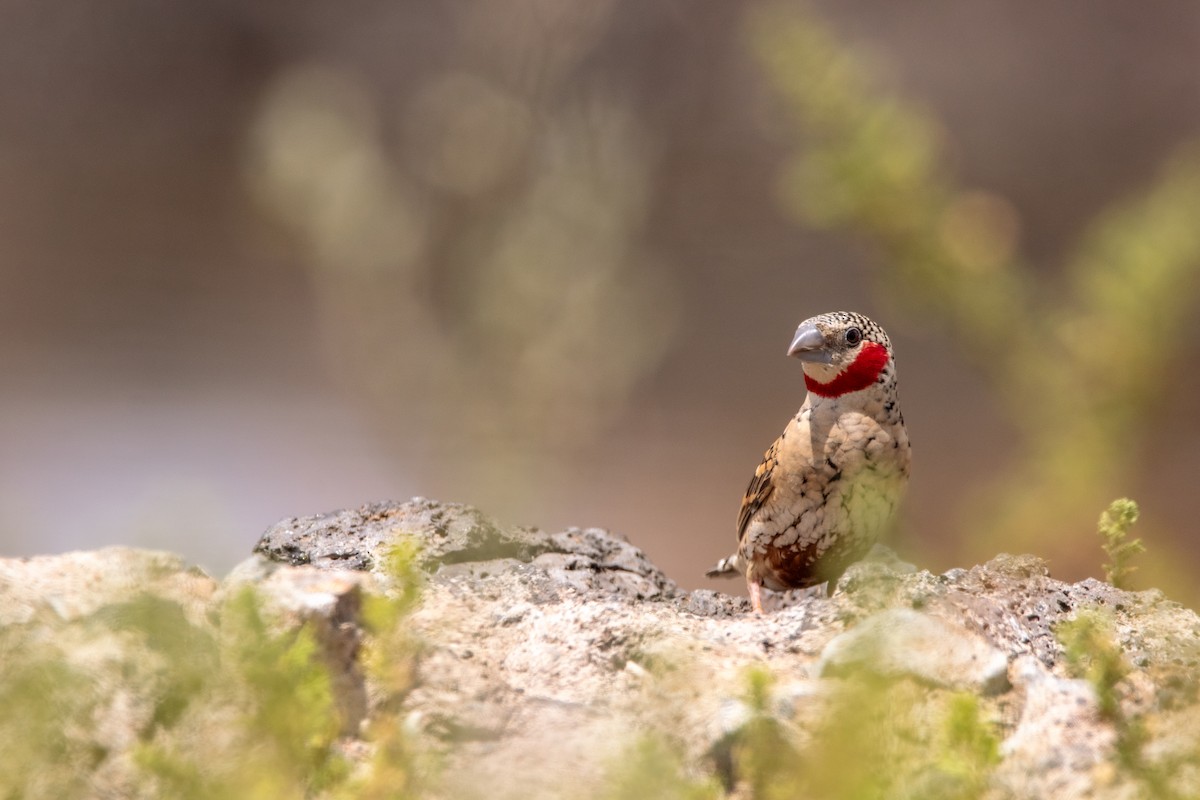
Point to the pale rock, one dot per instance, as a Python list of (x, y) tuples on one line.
[(544, 655), (900, 642)]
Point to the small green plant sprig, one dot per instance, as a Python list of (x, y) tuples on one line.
[(876, 738), (253, 710), (390, 662), (260, 724), (653, 767), (48, 703), (1115, 524), (970, 747), (1093, 653)]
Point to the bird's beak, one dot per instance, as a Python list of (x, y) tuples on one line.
[(809, 345)]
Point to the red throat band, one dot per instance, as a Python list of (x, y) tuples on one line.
[(861, 373)]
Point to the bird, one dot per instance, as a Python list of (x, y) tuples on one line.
[(830, 484)]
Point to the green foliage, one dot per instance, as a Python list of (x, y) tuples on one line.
[(763, 755), (244, 708), (874, 739), (390, 653), (970, 745), (1093, 653), (267, 724), (188, 655), (390, 659), (264, 722), (271, 714), (47, 705), (285, 689), (651, 767), (65, 685), (871, 163), (1115, 524)]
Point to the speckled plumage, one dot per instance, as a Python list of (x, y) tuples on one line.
[(829, 485)]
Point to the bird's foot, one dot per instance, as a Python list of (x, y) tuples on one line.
[(756, 598)]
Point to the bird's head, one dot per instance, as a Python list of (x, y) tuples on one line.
[(842, 352)]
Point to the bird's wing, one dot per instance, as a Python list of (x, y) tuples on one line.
[(760, 488)]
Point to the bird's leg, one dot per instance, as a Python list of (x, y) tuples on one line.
[(756, 596)]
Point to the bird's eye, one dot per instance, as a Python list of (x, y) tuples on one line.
[(853, 336)]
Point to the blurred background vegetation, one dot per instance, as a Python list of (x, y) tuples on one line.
[(264, 259)]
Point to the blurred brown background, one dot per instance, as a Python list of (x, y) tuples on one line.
[(261, 259)]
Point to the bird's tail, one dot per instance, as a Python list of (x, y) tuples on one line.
[(727, 567)]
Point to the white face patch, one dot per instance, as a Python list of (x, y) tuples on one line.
[(822, 373)]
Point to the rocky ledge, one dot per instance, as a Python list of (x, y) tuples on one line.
[(549, 664)]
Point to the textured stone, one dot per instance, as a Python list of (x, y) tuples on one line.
[(1060, 742), (902, 642), (543, 654), (548, 643), (450, 535), (330, 603), (74, 585)]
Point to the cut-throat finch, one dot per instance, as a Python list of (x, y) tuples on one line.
[(829, 485)]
